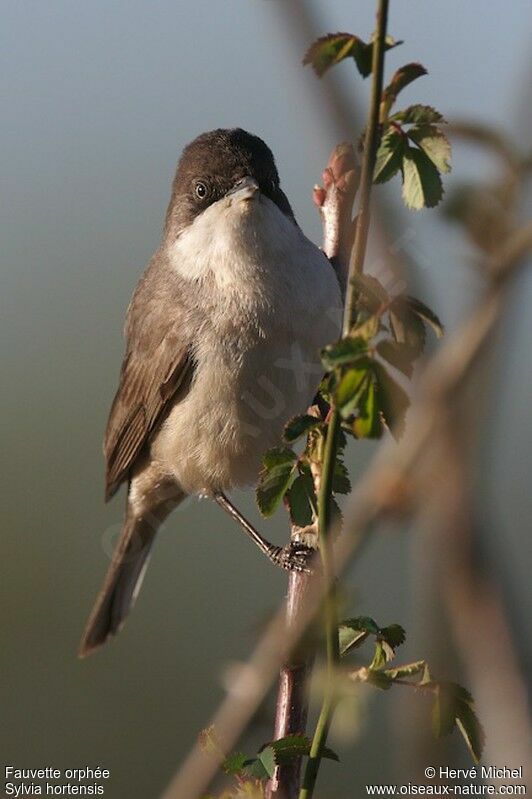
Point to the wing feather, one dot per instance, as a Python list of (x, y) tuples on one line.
[(155, 372)]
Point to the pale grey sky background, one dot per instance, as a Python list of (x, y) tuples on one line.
[(98, 100)]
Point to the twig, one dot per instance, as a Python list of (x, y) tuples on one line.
[(371, 143), (356, 266)]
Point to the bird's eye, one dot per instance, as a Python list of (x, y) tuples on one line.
[(201, 190)]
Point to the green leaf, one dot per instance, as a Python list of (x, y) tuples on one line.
[(372, 292), (398, 355), (393, 401), (418, 115), (454, 705), (472, 731), (407, 328), (379, 679), (408, 670), (402, 77), (422, 186), (350, 639), (294, 746), (353, 632), (277, 473), (350, 389), (261, 767), (368, 328), (333, 48), (424, 312), (444, 709), (394, 635), (434, 144), (341, 483), (234, 764), (383, 654), (368, 423), (389, 156), (299, 426), (299, 501), (344, 352)]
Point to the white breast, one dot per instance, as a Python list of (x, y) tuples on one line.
[(273, 301)]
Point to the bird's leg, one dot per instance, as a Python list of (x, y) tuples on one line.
[(295, 557)]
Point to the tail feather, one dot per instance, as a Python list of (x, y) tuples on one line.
[(121, 585)]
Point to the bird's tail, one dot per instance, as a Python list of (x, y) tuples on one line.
[(122, 582)]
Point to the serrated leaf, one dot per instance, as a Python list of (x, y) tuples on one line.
[(368, 422), (424, 312), (472, 731), (350, 636), (454, 705), (402, 77), (443, 711), (392, 399), (398, 355), (341, 483), (277, 473), (294, 746), (383, 654), (261, 767), (299, 426), (333, 48), (371, 292), (394, 635), (408, 670), (344, 352), (350, 389), (389, 156), (353, 632), (299, 502), (418, 115), (422, 186), (368, 328), (234, 764), (406, 326), (434, 144)]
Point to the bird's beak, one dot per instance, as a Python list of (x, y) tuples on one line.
[(244, 189)]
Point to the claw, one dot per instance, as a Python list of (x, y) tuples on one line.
[(296, 557)]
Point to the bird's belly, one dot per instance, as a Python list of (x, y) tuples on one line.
[(237, 406)]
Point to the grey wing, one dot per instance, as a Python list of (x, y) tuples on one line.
[(156, 370)]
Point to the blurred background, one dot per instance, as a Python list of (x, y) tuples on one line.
[(99, 98)]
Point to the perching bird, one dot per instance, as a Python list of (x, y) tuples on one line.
[(222, 347)]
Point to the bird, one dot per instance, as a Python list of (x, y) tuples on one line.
[(223, 335)]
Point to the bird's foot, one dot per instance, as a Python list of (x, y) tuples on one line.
[(296, 557)]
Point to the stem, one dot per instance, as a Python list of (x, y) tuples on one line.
[(292, 696), (331, 620), (371, 143), (356, 266)]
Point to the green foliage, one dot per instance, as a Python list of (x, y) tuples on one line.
[(329, 50), (402, 77), (299, 426), (418, 115), (422, 186), (276, 753), (301, 498), (453, 706), (389, 157), (277, 474)]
